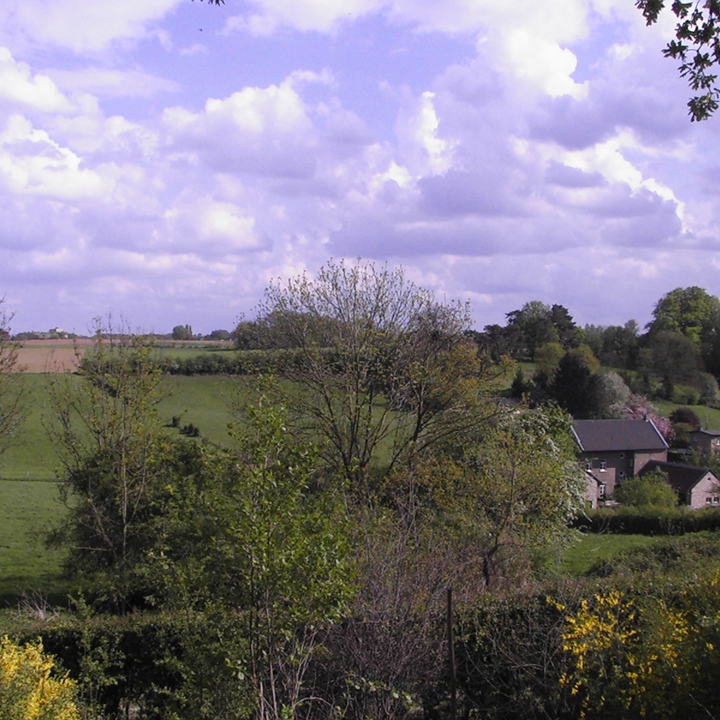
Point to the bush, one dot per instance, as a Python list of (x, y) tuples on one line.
[(650, 490), (149, 665), (648, 521), (28, 688)]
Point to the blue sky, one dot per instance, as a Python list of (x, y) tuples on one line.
[(164, 160)]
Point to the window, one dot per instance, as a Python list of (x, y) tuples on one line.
[(708, 501), (601, 490), (588, 464), (716, 501), (622, 455), (621, 474), (603, 466)]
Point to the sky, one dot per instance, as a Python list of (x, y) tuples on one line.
[(163, 161)]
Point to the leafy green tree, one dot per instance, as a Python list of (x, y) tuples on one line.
[(691, 312), (617, 346), (380, 365), (569, 334), (686, 416), (520, 486), (650, 490), (182, 332), (265, 542), (108, 435), (547, 357), (574, 385), (675, 359), (529, 328)]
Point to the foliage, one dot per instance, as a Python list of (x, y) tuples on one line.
[(649, 490), (615, 346), (258, 536), (109, 436), (381, 363), (521, 485), (687, 416), (12, 397), (652, 521), (28, 688), (696, 47), (692, 312), (509, 658), (574, 384), (639, 657), (182, 332), (530, 328), (612, 395), (547, 356)]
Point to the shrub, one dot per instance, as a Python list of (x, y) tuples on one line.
[(28, 688)]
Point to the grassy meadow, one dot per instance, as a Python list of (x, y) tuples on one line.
[(29, 498)]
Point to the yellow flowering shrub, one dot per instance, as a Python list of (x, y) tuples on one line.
[(600, 639), (650, 659), (28, 689)]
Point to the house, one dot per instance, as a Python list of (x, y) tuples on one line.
[(705, 442), (594, 491), (616, 449), (697, 487)]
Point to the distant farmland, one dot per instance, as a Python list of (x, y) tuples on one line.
[(47, 356), (52, 356)]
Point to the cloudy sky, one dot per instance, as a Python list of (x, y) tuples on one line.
[(164, 160)]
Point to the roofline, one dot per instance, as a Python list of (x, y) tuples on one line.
[(659, 434), (577, 439), (650, 420)]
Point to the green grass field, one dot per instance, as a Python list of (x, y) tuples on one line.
[(205, 401), (26, 511), (589, 550), (29, 500)]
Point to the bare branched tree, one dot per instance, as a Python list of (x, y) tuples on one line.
[(380, 366), (12, 394)]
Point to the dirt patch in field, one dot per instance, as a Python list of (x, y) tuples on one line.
[(51, 356)]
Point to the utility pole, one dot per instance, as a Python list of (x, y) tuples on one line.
[(451, 657)]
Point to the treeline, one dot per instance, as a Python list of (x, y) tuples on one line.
[(677, 358)]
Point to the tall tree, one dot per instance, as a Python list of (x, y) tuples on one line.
[(522, 486), (529, 328), (575, 383), (675, 359), (260, 539), (692, 312), (379, 364), (107, 433), (569, 334)]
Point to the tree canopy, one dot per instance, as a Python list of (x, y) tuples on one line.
[(379, 364)]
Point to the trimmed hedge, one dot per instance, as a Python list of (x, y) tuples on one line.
[(243, 362), (633, 521)]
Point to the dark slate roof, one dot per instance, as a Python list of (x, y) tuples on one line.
[(618, 435), (681, 476)]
